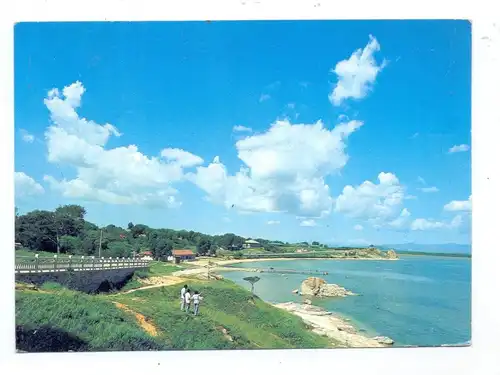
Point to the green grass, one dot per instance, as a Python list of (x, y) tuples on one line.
[(94, 321), (250, 322), (162, 268)]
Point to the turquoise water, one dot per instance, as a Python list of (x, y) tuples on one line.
[(418, 300)]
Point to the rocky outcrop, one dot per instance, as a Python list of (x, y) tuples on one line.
[(315, 286), (391, 254), (325, 323), (384, 340)]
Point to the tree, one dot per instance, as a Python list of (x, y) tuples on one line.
[(116, 249), (130, 226), (72, 245), (72, 210), (252, 280), (138, 229), (42, 230), (163, 248), (315, 243), (203, 246), (90, 242)]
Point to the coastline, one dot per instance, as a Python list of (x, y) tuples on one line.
[(326, 323), (203, 262), (319, 320)]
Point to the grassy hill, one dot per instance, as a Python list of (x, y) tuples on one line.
[(150, 319)]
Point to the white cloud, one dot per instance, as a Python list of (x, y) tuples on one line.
[(241, 128), (284, 169), (27, 137), (358, 227), (459, 205), (429, 224), (120, 175), (421, 180), (415, 135), (226, 219), (431, 189), (290, 105), (377, 202), (181, 157), (401, 221), (26, 186), (410, 197), (308, 223), (80, 189), (424, 224), (357, 74), (273, 222), (264, 97), (459, 148)]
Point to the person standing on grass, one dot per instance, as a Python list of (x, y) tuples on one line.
[(187, 299), (196, 301), (183, 292)]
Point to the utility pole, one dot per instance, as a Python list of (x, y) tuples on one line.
[(100, 242)]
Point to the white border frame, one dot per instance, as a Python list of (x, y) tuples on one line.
[(480, 358)]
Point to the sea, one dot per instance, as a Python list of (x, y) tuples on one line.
[(416, 301)]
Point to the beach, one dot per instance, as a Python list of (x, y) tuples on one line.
[(328, 324)]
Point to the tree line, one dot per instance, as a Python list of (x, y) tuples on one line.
[(65, 230)]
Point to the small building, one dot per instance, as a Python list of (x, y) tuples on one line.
[(18, 245), (301, 251), (182, 255), (250, 244)]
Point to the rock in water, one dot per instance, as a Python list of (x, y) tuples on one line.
[(311, 286), (391, 254), (296, 291), (315, 286), (384, 340), (307, 302)]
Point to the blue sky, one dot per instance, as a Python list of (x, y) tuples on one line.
[(223, 117)]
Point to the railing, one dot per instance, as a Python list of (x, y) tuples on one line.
[(26, 264)]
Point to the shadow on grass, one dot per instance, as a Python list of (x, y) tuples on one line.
[(47, 339)]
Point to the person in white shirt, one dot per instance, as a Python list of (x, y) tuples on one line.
[(183, 292), (187, 299), (196, 301)]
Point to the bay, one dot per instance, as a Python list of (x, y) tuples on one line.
[(417, 300)]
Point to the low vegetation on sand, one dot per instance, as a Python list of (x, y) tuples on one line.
[(230, 318)]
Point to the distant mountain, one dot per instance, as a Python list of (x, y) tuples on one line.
[(426, 248)]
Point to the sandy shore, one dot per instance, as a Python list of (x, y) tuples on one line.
[(216, 262), (327, 324), (198, 267)]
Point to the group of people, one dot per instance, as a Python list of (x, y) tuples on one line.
[(186, 299)]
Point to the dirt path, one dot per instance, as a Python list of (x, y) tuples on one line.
[(141, 319), (158, 282)]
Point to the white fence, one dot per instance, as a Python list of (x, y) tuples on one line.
[(25, 264)]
